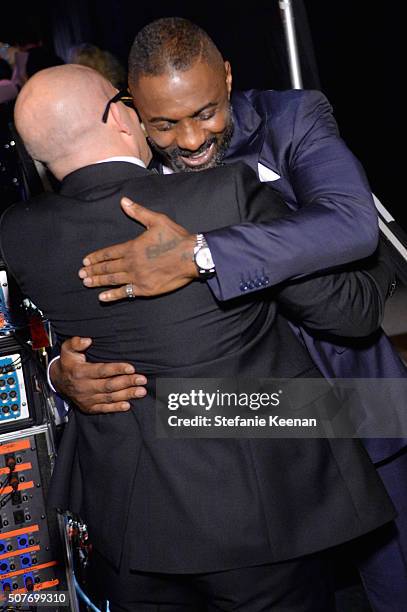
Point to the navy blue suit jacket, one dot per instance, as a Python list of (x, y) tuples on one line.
[(294, 134)]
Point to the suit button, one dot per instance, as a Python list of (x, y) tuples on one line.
[(265, 281), (243, 286), (257, 282), (250, 285)]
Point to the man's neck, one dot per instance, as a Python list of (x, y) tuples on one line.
[(69, 168), (131, 159)]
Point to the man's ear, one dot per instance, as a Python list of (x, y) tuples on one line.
[(228, 71), (119, 118)]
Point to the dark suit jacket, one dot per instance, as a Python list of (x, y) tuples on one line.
[(191, 505)]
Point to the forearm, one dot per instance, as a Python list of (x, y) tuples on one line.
[(309, 241)]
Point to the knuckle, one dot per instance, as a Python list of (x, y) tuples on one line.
[(130, 393), (109, 386), (76, 374), (65, 346), (104, 371), (100, 408)]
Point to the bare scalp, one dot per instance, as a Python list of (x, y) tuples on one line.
[(58, 109)]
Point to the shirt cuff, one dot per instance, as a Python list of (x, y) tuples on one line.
[(48, 373)]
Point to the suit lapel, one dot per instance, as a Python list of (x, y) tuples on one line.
[(252, 142), (248, 134)]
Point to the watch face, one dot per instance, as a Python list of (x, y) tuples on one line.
[(204, 259)]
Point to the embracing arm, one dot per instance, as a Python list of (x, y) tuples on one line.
[(336, 222), (345, 301), (94, 387)]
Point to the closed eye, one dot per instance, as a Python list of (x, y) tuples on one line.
[(163, 127), (206, 116)]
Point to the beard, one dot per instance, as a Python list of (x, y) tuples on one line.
[(173, 157)]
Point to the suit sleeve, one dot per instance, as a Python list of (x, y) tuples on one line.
[(348, 301), (336, 222)]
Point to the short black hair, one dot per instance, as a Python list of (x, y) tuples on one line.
[(169, 44)]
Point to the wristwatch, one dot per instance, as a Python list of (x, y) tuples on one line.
[(203, 258)]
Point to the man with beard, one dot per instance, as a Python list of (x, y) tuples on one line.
[(182, 90)]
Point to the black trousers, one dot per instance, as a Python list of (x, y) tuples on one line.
[(301, 585)]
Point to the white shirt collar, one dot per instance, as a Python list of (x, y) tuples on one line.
[(124, 158)]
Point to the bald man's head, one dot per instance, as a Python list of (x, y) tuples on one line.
[(58, 116)]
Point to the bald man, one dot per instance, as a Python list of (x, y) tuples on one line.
[(61, 138), (184, 524)]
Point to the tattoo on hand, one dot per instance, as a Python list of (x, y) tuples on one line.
[(162, 247)]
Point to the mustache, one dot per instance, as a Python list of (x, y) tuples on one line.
[(177, 152)]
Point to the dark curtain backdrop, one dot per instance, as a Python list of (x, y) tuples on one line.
[(353, 56), (252, 40), (359, 52)]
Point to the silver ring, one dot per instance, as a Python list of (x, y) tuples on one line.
[(129, 290)]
